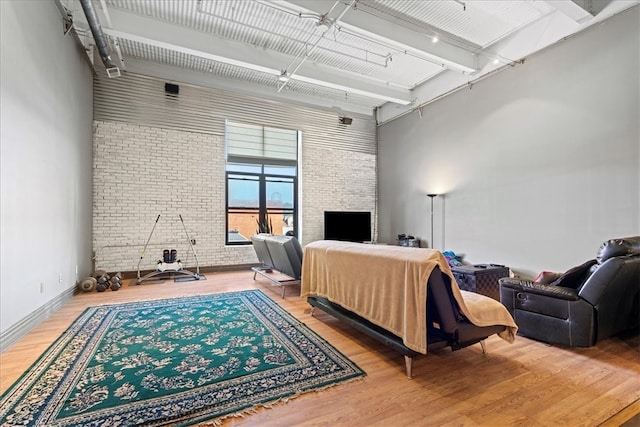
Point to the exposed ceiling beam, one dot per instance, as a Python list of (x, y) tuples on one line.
[(572, 10), (191, 42), (175, 74), (518, 46), (375, 28), (593, 7)]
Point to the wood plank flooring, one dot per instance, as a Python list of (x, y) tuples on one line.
[(524, 383)]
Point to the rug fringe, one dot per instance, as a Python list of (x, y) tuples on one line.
[(270, 405)]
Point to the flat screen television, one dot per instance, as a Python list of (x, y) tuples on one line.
[(347, 226)]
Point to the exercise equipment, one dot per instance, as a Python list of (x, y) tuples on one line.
[(170, 264), (99, 273), (88, 284), (103, 279), (115, 281)]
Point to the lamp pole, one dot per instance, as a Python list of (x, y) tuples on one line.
[(431, 196)]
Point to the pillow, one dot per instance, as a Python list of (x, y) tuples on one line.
[(575, 277), (546, 277)]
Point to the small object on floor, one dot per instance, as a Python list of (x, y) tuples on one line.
[(189, 278), (99, 273), (88, 284), (115, 281), (103, 279)]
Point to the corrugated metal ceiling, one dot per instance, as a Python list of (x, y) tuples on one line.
[(477, 22), (353, 55)]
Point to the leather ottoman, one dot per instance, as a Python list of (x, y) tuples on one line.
[(480, 278)]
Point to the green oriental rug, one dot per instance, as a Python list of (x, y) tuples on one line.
[(175, 361)]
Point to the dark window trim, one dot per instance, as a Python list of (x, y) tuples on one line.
[(262, 198)]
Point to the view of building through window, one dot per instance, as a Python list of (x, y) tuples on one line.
[(244, 218), (261, 181)]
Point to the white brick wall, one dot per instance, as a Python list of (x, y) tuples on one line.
[(141, 172), (334, 180)]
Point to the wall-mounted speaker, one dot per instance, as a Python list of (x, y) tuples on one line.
[(171, 88)]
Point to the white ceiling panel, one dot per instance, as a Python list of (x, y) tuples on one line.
[(353, 55), (480, 22)]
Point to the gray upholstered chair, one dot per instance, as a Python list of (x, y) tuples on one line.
[(590, 302), (280, 253)]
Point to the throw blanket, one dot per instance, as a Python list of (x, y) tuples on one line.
[(387, 285)]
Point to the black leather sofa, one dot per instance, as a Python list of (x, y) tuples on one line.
[(588, 303)]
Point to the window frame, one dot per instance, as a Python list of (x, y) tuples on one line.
[(262, 179), (261, 162)]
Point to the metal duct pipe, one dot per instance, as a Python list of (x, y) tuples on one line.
[(99, 37)]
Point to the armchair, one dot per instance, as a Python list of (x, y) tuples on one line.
[(281, 253), (590, 302)]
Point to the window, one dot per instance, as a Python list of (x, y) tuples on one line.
[(261, 181)]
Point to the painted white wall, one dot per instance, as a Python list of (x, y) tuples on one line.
[(46, 113), (539, 164)]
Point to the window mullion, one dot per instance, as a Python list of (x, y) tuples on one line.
[(263, 199)]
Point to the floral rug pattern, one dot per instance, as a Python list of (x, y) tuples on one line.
[(176, 361)]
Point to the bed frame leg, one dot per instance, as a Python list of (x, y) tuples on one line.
[(484, 347), (408, 363)]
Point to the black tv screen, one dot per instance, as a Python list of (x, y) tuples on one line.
[(347, 226)]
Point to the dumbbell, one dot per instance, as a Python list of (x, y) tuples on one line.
[(101, 276), (102, 279), (116, 281), (99, 273)]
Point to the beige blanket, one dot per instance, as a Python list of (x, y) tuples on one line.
[(387, 285)]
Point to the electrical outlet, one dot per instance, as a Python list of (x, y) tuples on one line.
[(193, 241), (41, 288), (60, 278)]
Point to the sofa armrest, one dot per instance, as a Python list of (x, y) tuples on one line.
[(527, 286)]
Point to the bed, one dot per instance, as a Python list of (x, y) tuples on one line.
[(405, 297)]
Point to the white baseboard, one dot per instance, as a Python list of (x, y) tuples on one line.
[(20, 329)]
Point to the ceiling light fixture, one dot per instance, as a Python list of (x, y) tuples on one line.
[(435, 39), (283, 77), (464, 5), (323, 24), (324, 21), (251, 66)]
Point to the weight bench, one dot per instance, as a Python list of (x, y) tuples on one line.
[(280, 253)]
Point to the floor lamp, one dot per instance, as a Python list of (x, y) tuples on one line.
[(431, 196)]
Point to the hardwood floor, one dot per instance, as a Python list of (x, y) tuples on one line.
[(524, 383)]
